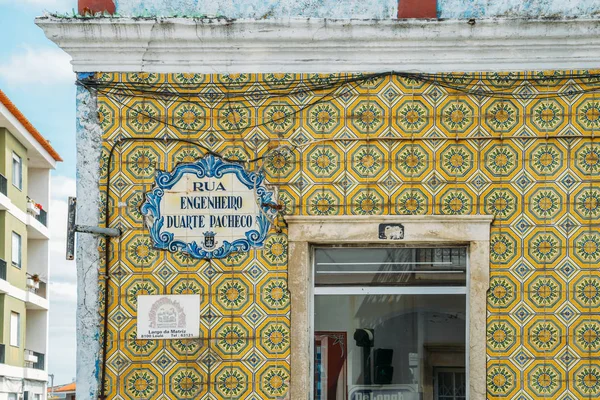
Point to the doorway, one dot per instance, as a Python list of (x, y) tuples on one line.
[(386, 319)]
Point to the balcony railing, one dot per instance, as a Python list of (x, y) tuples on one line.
[(2, 269), (37, 211), (2, 354), (40, 364), (40, 290), (42, 217), (3, 185), (36, 285), (34, 360)]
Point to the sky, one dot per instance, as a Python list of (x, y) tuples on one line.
[(36, 75)]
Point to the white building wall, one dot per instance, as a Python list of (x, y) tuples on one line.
[(365, 9), (39, 186), (38, 257)]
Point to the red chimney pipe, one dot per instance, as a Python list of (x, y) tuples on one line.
[(95, 6), (417, 8)]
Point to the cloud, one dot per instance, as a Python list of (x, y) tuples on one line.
[(63, 187), (63, 286), (62, 271), (37, 66), (63, 292), (61, 336)]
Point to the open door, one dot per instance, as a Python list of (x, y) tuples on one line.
[(330, 366)]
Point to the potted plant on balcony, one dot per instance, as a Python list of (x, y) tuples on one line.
[(33, 281), (32, 207)]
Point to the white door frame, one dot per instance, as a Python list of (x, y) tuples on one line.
[(307, 231)]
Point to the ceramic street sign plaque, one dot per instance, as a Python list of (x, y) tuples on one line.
[(209, 209), (168, 316)]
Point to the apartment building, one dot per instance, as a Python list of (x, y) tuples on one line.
[(26, 159)]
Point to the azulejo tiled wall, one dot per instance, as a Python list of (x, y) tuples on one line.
[(520, 146)]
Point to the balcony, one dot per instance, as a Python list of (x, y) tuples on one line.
[(3, 185), (35, 302), (42, 217), (40, 363), (34, 360), (5, 202), (35, 229), (36, 210), (5, 286), (36, 286), (37, 219), (36, 296)]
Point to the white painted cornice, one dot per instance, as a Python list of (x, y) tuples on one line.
[(317, 45)]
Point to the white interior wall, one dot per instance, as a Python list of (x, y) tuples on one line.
[(39, 186), (38, 257), (36, 331)]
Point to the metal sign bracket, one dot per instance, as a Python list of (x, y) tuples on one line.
[(72, 227)]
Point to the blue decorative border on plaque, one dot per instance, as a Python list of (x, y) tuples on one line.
[(209, 167)]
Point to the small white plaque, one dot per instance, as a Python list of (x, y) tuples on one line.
[(413, 359), (168, 316)]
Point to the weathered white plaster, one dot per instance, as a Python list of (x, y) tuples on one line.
[(304, 231), (380, 9), (517, 8), (322, 46), (89, 145)]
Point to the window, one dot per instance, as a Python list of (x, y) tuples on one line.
[(17, 172), (12, 396), (450, 384), (15, 329), (16, 250), (386, 319)]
